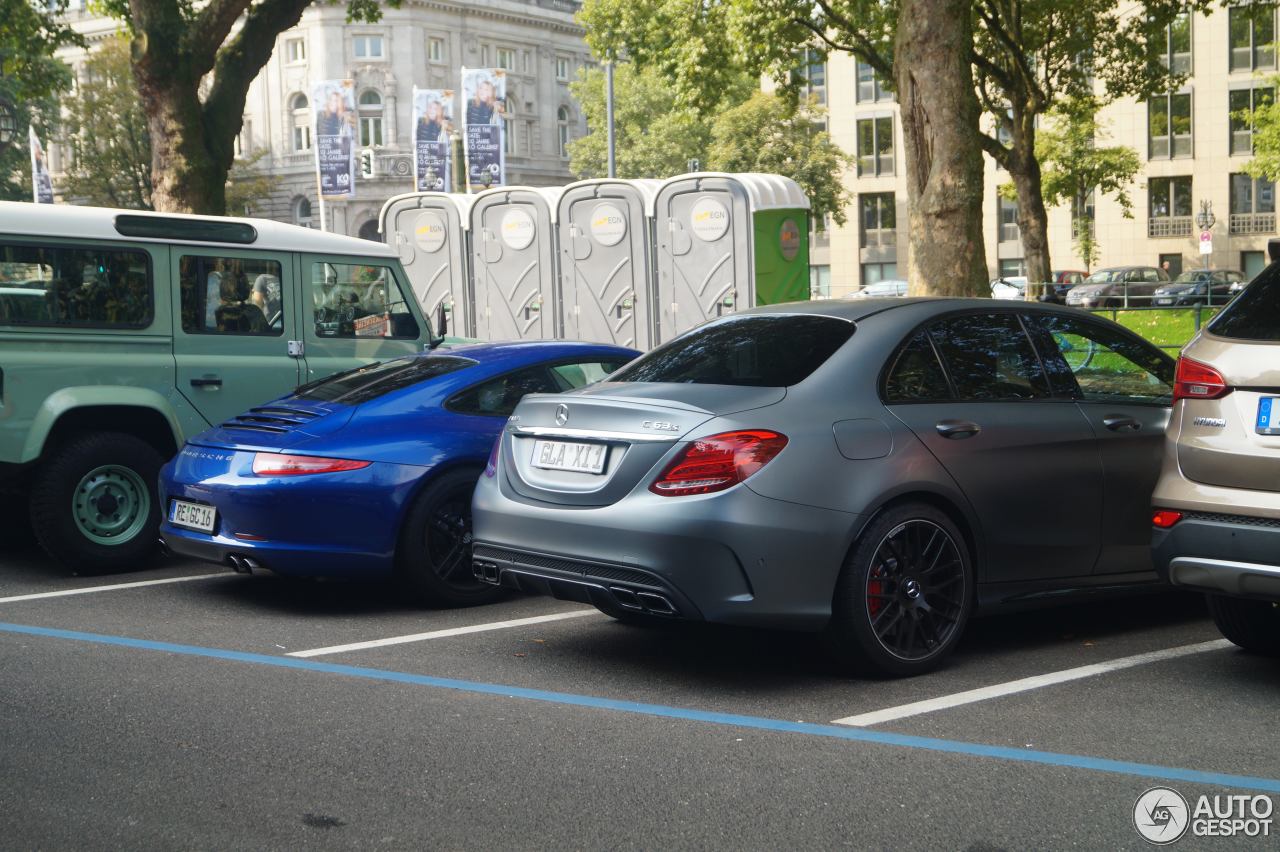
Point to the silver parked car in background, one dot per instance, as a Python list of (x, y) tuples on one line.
[(874, 469), (1118, 287)]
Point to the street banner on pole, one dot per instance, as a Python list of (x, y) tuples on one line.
[(484, 91), (432, 123), (333, 103), (41, 183)]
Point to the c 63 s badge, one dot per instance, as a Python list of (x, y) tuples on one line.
[(660, 425)]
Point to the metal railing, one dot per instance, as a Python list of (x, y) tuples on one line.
[(1253, 223), (1170, 226)]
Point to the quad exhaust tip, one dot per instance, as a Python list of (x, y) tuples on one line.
[(485, 572), (243, 564)]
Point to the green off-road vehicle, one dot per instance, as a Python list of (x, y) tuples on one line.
[(122, 334)]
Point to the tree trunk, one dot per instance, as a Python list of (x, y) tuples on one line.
[(187, 176), (940, 110), (1033, 220)]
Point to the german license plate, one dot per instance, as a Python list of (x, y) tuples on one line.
[(568, 455), (1269, 415), (193, 516), (1164, 301)]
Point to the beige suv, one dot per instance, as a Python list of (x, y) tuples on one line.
[(1216, 508)]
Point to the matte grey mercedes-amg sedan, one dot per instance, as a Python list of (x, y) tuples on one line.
[(874, 469)]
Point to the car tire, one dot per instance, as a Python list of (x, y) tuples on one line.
[(433, 555), (15, 521), (904, 594), (94, 503), (1253, 625)]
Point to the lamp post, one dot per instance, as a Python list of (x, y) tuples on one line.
[(1205, 221)]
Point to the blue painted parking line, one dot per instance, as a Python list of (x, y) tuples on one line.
[(1045, 758)]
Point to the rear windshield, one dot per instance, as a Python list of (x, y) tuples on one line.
[(1255, 313), (370, 382), (762, 350)]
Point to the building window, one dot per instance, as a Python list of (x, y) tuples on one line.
[(1253, 205), (1252, 262), (875, 146), (1169, 126), (820, 282), (811, 77), (1175, 52), (874, 273), (870, 89), (435, 49), (1013, 267), (506, 59), (562, 67), (302, 211), (562, 129), (301, 122), (1242, 103), (878, 220), (1083, 212), (1253, 35), (1009, 232), (295, 51), (1170, 207), (367, 46), (370, 118)]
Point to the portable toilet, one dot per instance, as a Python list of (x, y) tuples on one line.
[(513, 263), (429, 232), (726, 242), (606, 271)]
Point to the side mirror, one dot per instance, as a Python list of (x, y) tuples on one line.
[(442, 320)]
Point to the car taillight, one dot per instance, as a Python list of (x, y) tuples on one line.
[(1194, 380), (1165, 518), (718, 462), (280, 464), (491, 468)]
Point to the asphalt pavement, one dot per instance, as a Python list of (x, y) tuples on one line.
[(183, 706)]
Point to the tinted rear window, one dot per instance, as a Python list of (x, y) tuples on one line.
[(365, 383), (763, 350), (1255, 313)]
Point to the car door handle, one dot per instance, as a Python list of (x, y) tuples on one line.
[(1121, 423), (957, 429), (206, 383)]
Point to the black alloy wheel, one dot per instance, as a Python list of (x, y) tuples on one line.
[(434, 552), (904, 595)]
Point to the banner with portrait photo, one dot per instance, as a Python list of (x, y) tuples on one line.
[(484, 91), (432, 124), (333, 103), (41, 183)]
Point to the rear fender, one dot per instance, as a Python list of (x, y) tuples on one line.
[(64, 401)]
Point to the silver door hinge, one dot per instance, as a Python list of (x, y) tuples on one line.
[(296, 349)]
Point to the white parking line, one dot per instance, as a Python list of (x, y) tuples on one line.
[(441, 634), (1025, 684), (111, 588)]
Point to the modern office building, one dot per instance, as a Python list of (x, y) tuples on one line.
[(1192, 146), (424, 43)]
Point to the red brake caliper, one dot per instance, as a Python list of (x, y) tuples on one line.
[(875, 587)]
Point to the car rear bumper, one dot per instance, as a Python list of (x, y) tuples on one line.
[(734, 557), (1221, 554)]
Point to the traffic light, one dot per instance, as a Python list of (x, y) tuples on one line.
[(366, 163)]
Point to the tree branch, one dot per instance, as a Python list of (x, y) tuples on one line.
[(865, 47), (238, 63), (1012, 49), (210, 29)]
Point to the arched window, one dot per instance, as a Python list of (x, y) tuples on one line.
[(301, 122), (509, 126), (302, 211), (370, 118), (562, 129)]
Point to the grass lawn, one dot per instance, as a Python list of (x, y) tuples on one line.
[(1169, 328)]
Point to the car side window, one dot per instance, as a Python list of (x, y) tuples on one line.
[(499, 397), (576, 375), (68, 287), (916, 374), (1106, 365), (231, 295), (989, 357), (359, 300)]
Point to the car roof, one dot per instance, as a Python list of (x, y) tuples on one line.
[(99, 223)]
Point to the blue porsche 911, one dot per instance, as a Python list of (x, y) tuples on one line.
[(366, 473)]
